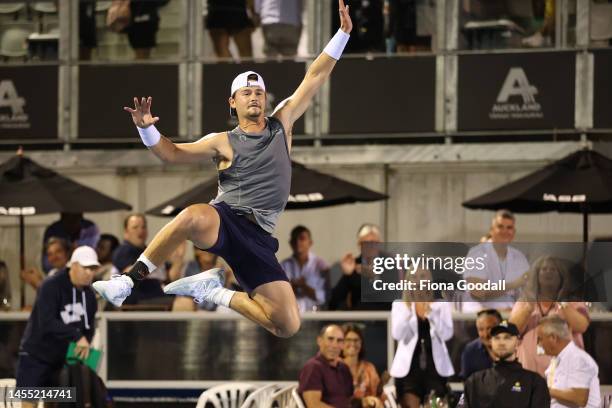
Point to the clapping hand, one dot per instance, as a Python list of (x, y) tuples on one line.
[(348, 264)]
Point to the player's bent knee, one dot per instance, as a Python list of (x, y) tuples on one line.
[(289, 328), (198, 217), (288, 324)]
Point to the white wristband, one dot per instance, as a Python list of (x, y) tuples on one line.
[(150, 135), (336, 45)]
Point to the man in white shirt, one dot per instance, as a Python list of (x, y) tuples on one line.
[(502, 262), (572, 375), (307, 272)]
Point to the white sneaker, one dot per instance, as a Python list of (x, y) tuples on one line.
[(116, 289), (203, 286)]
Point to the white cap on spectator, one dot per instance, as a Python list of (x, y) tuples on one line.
[(84, 256), (243, 80)]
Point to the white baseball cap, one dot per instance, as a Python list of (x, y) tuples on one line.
[(84, 256), (243, 80)]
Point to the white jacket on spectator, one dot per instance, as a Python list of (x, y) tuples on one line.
[(404, 329)]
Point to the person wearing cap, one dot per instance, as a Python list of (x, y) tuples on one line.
[(254, 167), (477, 354), (507, 383), (64, 312)]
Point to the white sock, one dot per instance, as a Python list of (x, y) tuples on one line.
[(222, 296), (150, 265)]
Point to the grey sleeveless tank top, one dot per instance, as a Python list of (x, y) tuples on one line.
[(259, 178)]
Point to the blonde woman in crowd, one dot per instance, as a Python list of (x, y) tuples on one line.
[(546, 294)]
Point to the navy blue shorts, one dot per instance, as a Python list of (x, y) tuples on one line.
[(247, 248), (32, 372)]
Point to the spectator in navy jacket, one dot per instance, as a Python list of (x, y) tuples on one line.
[(64, 312)]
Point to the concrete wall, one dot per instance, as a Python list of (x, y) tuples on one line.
[(426, 191)]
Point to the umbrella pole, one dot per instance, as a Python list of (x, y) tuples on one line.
[(386, 204), (21, 259), (585, 225), (585, 244)]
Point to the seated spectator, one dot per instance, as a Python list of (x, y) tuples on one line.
[(325, 380), (546, 289), (422, 363), (230, 19), (506, 384), (346, 295), (135, 236), (502, 262), (64, 311), (75, 229), (57, 252), (143, 27), (572, 375), (105, 248), (281, 23), (366, 382), (307, 272), (404, 25), (478, 354)]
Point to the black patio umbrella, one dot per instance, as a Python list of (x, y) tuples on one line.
[(309, 189), (578, 183), (27, 188)]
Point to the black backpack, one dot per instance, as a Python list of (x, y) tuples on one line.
[(90, 389)]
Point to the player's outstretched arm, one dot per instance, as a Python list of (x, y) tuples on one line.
[(164, 148), (290, 110)]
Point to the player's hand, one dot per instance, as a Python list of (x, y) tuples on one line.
[(346, 24), (82, 348), (348, 264), (141, 114)]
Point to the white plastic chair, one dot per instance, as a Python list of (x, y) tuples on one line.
[(11, 383), (230, 395), (283, 398), (11, 8), (296, 397), (391, 394), (8, 383), (46, 7), (260, 398), (14, 42)]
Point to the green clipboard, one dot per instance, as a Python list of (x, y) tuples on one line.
[(91, 361)]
